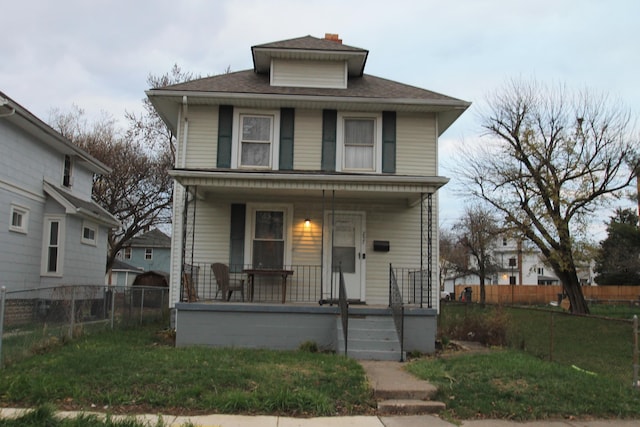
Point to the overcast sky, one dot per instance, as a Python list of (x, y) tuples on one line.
[(98, 54)]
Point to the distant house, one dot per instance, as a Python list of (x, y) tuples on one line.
[(122, 274), (51, 232), (151, 251), (518, 263)]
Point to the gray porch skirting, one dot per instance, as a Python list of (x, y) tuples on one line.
[(285, 327)]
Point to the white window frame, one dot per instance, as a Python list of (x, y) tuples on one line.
[(59, 271), (89, 226), (128, 252), (148, 254), (236, 151), (250, 228), (64, 171), (23, 213), (377, 143)]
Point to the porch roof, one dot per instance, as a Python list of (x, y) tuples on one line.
[(299, 184)]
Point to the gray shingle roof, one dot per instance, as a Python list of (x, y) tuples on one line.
[(151, 239), (249, 82), (309, 43)]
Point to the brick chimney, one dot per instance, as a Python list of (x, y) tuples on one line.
[(333, 37)]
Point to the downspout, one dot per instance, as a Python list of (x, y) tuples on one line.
[(185, 130)]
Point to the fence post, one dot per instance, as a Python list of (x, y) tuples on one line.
[(551, 327), (73, 311), (3, 295), (141, 305), (636, 384), (113, 304)]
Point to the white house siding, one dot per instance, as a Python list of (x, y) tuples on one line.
[(416, 144), (307, 139), (321, 74), (202, 137)]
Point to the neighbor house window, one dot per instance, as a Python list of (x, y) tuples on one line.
[(148, 253), (256, 140), (19, 219), (67, 177), (89, 233), (53, 246), (127, 252), (540, 271), (359, 143), (512, 280)]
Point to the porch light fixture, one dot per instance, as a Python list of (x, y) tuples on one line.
[(307, 222)]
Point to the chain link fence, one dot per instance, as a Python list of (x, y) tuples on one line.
[(593, 344), (33, 320)]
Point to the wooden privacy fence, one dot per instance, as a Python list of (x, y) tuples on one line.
[(544, 294)]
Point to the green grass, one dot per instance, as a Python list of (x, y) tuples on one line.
[(131, 372), (44, 416), (509, 384), (591, 343)]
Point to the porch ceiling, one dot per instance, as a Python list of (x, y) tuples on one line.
[(279, 184)]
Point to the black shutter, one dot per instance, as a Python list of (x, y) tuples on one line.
[(388, 141), (225, 130), (287, 116), (329, 129), (236, 240)]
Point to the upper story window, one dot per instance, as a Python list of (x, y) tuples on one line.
[(127, 252), (148, 253), (359, 143), (256, 143), (19, 219), (504, 241), (67, 174)]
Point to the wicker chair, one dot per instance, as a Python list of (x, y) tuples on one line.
[(226, 285)]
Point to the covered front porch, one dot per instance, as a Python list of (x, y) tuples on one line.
[(288, 242)]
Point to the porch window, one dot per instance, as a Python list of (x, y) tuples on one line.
[(268, 239), (256, 140)]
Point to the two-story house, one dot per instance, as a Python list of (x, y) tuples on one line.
[(150, 251), (51, 233), (292, 171)]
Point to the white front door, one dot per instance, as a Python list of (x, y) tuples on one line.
[(345, 243)]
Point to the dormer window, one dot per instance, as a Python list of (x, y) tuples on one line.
[(67, 174)]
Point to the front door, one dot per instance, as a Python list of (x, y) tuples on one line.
[(345, 240)]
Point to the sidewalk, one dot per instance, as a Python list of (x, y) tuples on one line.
[(219, 420)]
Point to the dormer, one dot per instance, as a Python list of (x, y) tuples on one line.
[(309, 62)]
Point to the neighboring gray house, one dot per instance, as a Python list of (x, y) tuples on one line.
[(151, 251), (288, 173), (51, 233)]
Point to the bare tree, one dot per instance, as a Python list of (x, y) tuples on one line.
[(552, 158), (137, 191), (453, 259), (477, 230), (148, 126)]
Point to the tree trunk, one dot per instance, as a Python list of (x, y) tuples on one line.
[(571, 286), (483, 292)]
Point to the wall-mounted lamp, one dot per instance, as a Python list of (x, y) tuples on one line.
[(307, 222)]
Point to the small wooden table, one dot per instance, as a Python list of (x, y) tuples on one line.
[(252, 272)]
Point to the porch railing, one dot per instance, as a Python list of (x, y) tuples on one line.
[(343, 303), (413, 285), (302, 286), (397, 308)]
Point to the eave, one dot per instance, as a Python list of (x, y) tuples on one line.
[(311, 184)]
